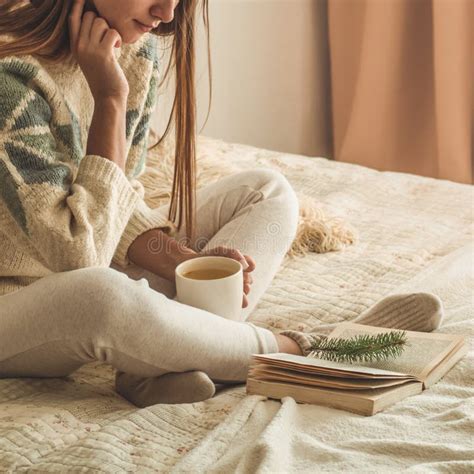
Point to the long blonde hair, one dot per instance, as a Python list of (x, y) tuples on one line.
[(40, 27)]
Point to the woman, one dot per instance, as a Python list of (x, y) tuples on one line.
[(77, 88)]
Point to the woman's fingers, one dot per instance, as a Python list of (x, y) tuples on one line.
[(247, 261), (112, 39), (99, 29), (86, 26), (251, 263), (94, 55), (237, 255), (248, 280)]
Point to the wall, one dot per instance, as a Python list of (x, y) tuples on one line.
[(270, 70)]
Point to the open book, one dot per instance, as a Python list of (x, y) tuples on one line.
[(363, 387)]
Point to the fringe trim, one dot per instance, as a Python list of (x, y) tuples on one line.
[(316, 231)]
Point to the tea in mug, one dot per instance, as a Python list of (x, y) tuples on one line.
[(208, 273)]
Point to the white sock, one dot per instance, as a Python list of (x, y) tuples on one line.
[(410, 311)]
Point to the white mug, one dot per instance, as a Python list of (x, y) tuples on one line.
[(221, 296)]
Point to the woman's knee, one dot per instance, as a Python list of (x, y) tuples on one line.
[(276, 181), (261, 176), (98, 294), (275, 184), (270, 182)]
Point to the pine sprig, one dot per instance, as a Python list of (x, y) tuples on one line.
[(360, 348)]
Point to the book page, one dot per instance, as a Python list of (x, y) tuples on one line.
[(422, 352), (324, 367), (264, 372)]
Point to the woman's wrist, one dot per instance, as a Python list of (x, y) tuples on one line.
[(159, 253), (107, 132)]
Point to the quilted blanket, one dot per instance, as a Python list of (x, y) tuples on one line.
[(412, 233)]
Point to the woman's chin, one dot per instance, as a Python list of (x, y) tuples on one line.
[(130, 38)]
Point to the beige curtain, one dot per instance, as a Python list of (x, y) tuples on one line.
[(402, 76)]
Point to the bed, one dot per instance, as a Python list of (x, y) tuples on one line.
[(412, 233)]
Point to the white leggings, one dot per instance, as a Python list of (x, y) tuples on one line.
[(60, 322)]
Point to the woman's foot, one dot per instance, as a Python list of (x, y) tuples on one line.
[(411, 311), (173, 387), (287, 345)]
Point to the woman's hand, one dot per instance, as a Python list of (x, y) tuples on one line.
[(92, 43), (245, 260)]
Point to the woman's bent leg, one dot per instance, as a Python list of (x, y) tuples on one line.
[(254, 211), (64, 320)]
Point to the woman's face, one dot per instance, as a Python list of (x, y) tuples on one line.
[(125, 16)]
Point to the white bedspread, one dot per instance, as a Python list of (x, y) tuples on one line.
[(413, 233)]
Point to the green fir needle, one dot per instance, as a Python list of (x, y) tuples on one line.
[(360, 348)]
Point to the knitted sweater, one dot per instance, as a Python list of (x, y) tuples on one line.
[(60, 208)]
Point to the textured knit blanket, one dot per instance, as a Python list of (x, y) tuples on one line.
[(412, 233)]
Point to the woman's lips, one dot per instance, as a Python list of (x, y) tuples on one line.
[(143, 27)]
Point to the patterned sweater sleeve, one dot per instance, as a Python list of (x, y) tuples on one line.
[(143, 217), (66, 210)]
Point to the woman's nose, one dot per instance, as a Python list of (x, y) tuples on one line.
[(165, 10)]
